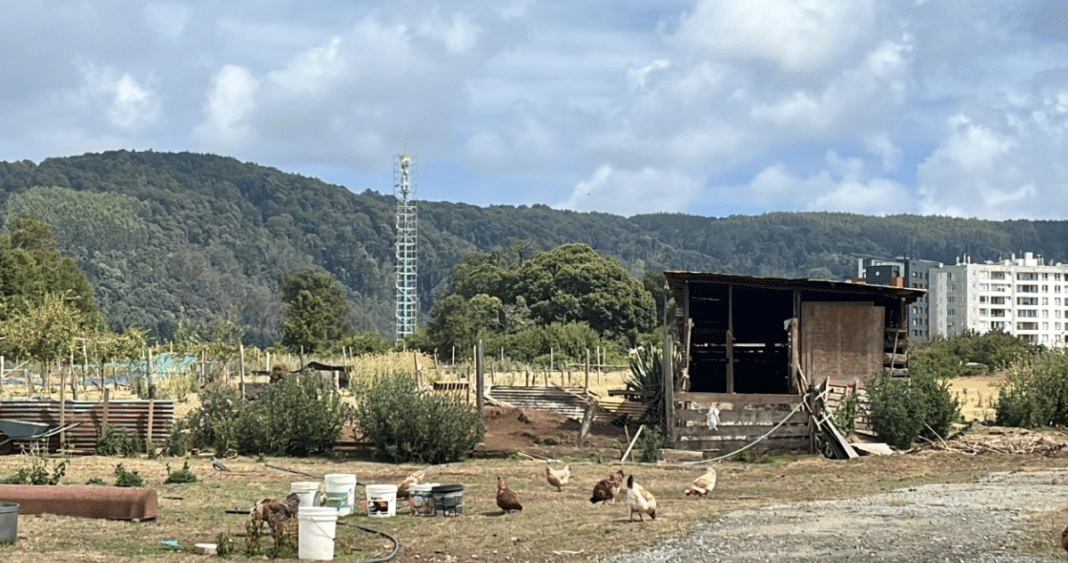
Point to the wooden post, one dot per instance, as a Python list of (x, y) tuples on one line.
[(587, 420), (62, 405), (730, 339), (151, 412), (107, 408), (148, 373), (479, 383), (1, 373), (587, 370), (668, 385), (241, 365)]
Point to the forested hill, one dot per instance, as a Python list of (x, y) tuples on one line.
[(163, 235)]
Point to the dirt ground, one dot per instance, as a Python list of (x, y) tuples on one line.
[(513, 429)]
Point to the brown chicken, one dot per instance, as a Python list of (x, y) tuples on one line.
[(606, 489), (703, 484), (640, 500), (557, 478), (412, 478), (507, 499), (277, 515)]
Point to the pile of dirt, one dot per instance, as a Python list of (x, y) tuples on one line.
[(510, 429)]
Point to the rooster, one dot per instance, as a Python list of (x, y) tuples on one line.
[(640, 500), (507, 499), (557, 478), (412, 478), (703, 484), (606, 489)]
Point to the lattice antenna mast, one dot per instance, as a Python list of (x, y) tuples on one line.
[(407, 300)]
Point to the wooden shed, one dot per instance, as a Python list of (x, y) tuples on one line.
[(751, 347)]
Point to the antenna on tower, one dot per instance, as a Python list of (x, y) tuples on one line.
[(404, 189)]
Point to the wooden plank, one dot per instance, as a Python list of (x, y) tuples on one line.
[(738, 398), (737, 417)]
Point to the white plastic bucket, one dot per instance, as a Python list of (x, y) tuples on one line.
[(381, 500), (306, 491), (340, 492), (318, 525)]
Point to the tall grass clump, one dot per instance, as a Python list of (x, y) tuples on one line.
[(1035, 393), (407, 424)]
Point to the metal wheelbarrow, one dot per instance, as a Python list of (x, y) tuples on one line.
[(23, 431)]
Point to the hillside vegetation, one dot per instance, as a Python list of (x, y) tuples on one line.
[(168, 237)]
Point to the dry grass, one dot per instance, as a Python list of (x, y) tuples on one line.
[(550, 521)]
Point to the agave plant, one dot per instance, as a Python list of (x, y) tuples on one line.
[(646, 378)]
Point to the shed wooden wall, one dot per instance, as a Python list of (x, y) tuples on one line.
[(743, 418)]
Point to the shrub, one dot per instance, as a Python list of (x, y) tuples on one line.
[(124, 478), (1036, 392), (650, 442), (898, 410), (296, 416), (409, 425), (37, 473), (942, 406), (118, 442), (183, 475)]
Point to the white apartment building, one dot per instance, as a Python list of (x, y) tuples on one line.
[(1024, 297)]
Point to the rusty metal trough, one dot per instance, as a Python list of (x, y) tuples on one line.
[(109, 503)]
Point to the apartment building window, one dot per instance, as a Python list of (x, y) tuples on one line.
[(998, 275), (1027, 325), (999, 287), (1056, 326), (984, 325), (951, 299), (951, 312), (1027, 288), (984, 287), (1026, 276), (997, 325), (1056, 277), (983, 299), (1045, 276), (984, 312), (1027, 301), (1027, 313), (1045, 313), (1056, 289), (1045, 300), (999, 300), (1031, 338), (997, 313), (1045, 326), (1045, 288), (1057, 301)]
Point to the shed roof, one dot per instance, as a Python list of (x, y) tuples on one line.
[(678, 279)]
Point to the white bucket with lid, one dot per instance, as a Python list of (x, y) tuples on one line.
[(318, 526), (420, 501), (306, 491), (381, 500), (340, 492)]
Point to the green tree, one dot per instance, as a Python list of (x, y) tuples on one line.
[(43, 332), (316, 311), (574, 283)]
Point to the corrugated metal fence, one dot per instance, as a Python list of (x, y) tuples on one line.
[(132, 416)]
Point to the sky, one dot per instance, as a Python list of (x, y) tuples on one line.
[(712, 108)]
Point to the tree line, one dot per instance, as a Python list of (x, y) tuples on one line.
[(173, 238)]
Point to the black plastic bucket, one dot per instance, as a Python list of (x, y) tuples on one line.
[(448, 500)]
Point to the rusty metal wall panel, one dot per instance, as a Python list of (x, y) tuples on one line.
[(127, 415), (842, 341)]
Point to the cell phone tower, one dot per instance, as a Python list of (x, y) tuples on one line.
[(404, 189)]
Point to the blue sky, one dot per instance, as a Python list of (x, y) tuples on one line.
[(714, 108)]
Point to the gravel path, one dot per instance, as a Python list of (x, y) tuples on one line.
[(974, 522)]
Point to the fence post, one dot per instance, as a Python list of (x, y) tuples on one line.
[(479, 383)]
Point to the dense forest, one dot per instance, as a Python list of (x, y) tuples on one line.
[(167, 238)]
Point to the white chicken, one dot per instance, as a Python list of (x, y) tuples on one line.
[(557, 478), (703, 484), (640, 500)]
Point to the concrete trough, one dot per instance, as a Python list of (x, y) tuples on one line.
[(108, 503)]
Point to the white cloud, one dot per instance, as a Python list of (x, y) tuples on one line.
[(168, 19), (881, 146), (797, 36), (630, 192), (1005, 166), (127, 105), (230, 100), (843, 185)]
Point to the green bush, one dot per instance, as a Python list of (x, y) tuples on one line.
[(124, 478), (650, 442), (408, 425), (118, 442), (37, 473), (942, 406), (898, 410), (1036, 392), (183, 475), (297, 416)]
